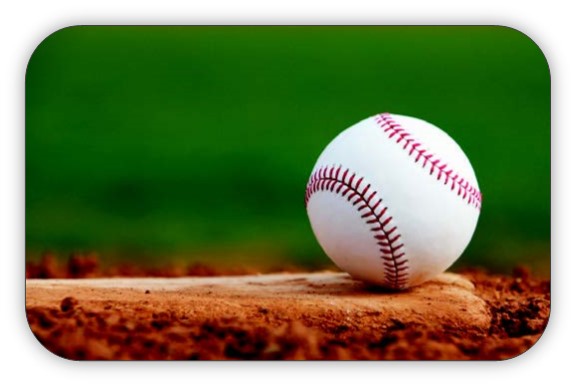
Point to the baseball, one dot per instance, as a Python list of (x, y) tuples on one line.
[(393, 201)]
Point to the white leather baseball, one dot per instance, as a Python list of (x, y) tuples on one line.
[(393, 201)]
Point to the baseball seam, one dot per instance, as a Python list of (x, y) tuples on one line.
[(359, 193), (445, 174)]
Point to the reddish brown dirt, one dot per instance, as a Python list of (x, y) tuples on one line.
[(315, 316), (89, 266)]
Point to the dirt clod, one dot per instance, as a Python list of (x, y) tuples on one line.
[(68, 303)]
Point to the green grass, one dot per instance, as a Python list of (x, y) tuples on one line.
[(174, 140)]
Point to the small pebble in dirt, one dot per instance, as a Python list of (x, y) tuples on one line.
[(147, 292), (521, 272), (68, 303)]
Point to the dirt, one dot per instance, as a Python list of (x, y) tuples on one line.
[(186, 314)]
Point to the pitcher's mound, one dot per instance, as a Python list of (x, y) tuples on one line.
[(311, 315)]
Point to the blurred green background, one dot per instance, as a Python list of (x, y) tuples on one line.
[(195, 143)]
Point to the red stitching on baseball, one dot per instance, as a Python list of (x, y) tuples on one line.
[(388, 124), (394, 261)]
